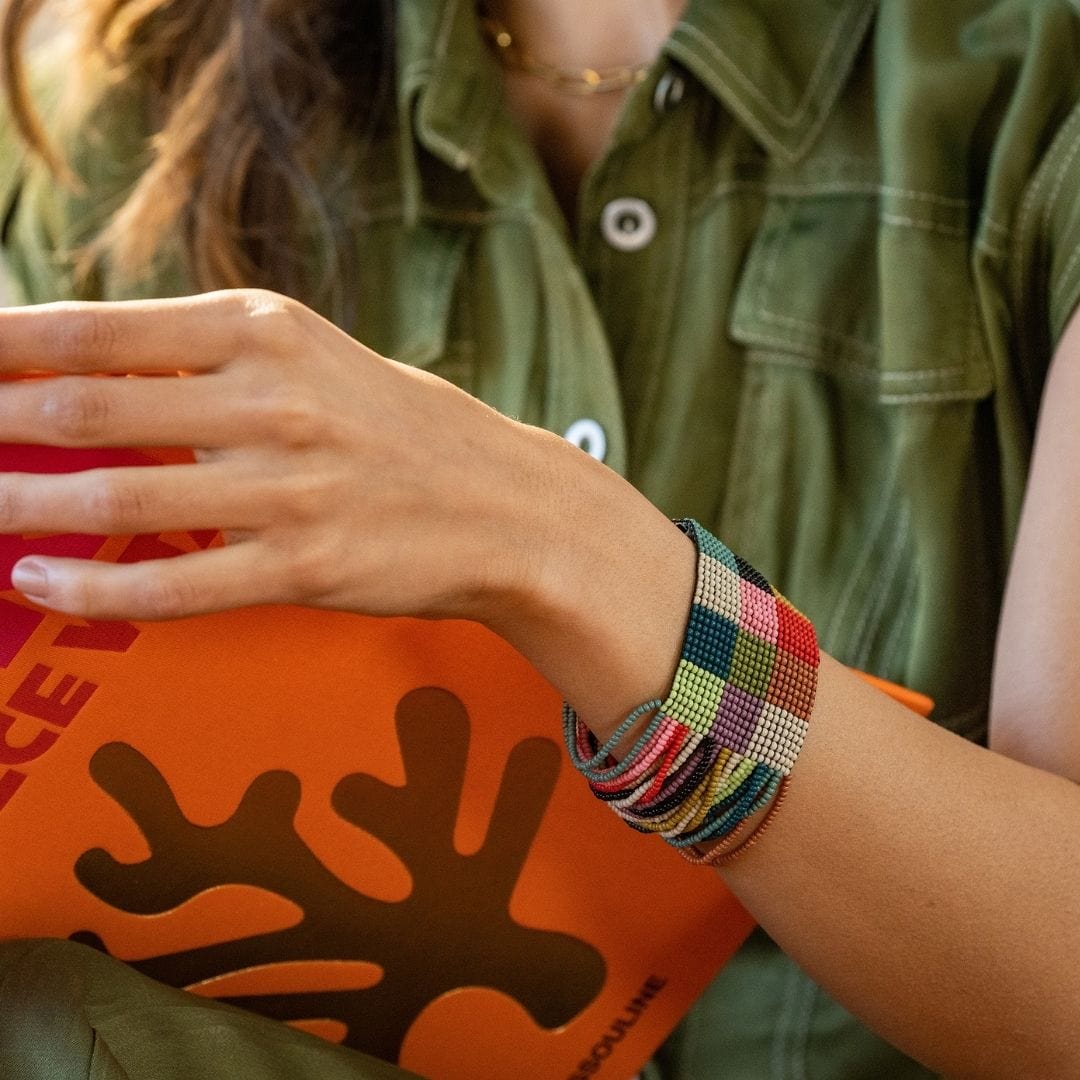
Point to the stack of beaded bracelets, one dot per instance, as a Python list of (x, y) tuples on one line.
[(723, 743)]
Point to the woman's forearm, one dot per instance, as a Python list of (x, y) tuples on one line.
[(929, 884), (1034, 715)]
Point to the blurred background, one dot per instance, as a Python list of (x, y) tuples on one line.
[(48, 22)]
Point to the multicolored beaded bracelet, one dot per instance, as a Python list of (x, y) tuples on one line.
[(722, 744), (722, 854)]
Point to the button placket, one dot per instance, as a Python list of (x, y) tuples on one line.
[(632, 243)]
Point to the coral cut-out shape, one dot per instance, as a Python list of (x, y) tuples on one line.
[(453, 930)]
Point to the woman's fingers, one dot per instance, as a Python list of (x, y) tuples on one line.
[(308, 441), (192, 333), (194, 584), (78, 411), (132, 500)]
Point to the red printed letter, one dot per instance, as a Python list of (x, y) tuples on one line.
[(17, 624), (51, 707), (10, 782), (98, 636), (146, 547), (20, 755)]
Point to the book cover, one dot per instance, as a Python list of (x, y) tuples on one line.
[(366, 828)]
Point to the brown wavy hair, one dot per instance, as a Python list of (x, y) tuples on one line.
[(256, 112)]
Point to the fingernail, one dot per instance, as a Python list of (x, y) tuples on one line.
[(30, 579)]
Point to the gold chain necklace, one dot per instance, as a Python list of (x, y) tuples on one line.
[(582, 82)]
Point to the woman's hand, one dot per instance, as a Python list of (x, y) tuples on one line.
[(343, 479)]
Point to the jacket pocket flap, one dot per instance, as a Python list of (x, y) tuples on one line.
[(877, 299)]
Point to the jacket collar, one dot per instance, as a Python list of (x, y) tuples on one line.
[(448, 88), (777, 66)]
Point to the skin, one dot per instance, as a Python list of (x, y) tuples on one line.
[(931, 885), (571, 131)]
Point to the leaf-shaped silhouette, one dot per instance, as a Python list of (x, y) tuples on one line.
[(453, 930)]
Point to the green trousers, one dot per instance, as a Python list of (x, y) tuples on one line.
[(68, 1012)]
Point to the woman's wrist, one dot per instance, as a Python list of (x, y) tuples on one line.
[(721, 745), (599, 602)]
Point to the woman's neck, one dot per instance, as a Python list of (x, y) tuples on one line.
[(571, 131), (579, 34)]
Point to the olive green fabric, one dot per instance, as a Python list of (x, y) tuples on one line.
[(831, 352), (68, 1012)]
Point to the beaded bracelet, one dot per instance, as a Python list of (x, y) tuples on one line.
[(722, 744), (722, 855)]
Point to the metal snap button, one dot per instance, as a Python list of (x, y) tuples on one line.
[(669, 91), (589, 436), (628, 224)]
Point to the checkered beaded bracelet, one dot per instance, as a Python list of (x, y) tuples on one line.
[(720, 746)]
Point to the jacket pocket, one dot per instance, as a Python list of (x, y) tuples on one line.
[(868, 293), (859, 468)]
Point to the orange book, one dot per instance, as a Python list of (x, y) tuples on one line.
[(367, 828)]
